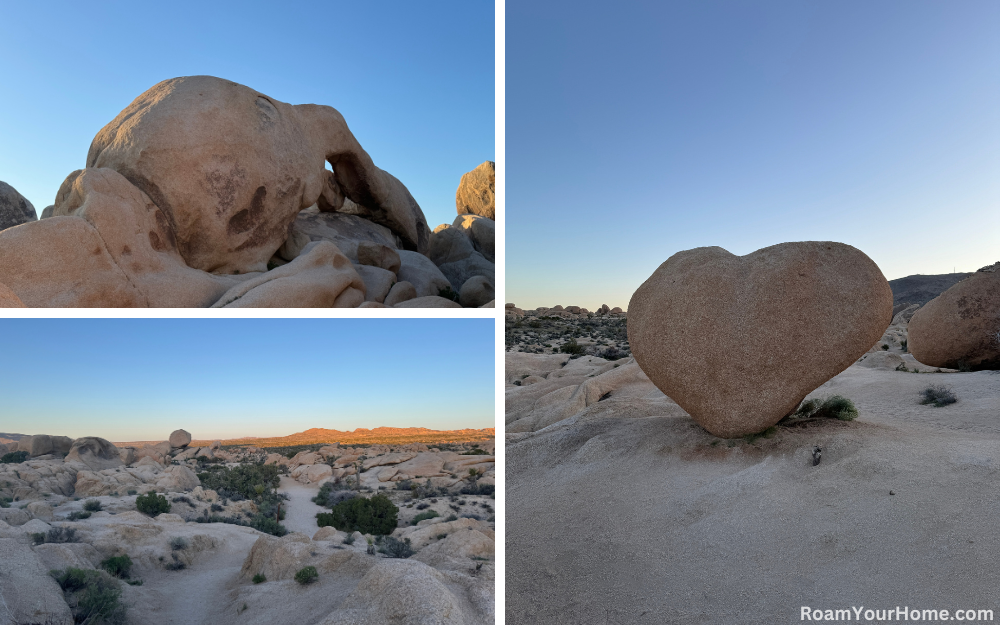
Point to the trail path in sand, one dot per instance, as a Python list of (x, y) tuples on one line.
[(300, 511)]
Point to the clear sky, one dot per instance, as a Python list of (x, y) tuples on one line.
[(414, 80), (634, 133), (140, 379)]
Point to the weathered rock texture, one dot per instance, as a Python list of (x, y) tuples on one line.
[(960, 329), (96, 453), (230, 168), (739, 341), (476, 193), (15, 209)]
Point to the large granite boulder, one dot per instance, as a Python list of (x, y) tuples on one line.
[(739, 341), (476, 193), (96, 453), (29, 593), (15, 209), (960, 329), (230, 168)]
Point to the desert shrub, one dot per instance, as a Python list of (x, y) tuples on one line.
[(349, 540), (377, 515), (93, 597), (885, 347), (217, 508), (5, 502), (451, 517), (183, 499), (471, 515), (423, 516), (92, 505), (55, 535), (131, 491), (487, 490), (77, 515), (404, 485), (902, 367), (178, 543), (14, 457), (395, 548), (152, 504), (118, 566), (572, 347), (38, 538), (240, 482), (476, 452), (175, 563), (903, 345), (611, 353), (332, 493), (423, 506), (259, 578), (937, 396), (836, 407), (307, 575), (268, 525)]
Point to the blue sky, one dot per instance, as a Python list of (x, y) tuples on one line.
[(140, 379), (415, 81), (634, 133)]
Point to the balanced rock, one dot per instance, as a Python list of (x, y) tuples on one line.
[(960, 329), (476, 193), (739, 341), (15, 209), (180, 438), (96, 453)]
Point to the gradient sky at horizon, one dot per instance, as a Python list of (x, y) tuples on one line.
[(635, 133), (415, 81), (140, 379)]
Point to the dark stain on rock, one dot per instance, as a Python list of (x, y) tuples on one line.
[(267, 112), (249, 217), (126, 250), (154, 240), (164, 225)]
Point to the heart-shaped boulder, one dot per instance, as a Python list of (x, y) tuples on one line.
[(739, 341)]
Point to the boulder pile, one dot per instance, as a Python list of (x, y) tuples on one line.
[(206, 193)]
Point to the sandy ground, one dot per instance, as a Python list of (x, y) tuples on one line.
[(617, 515), (300, 511)]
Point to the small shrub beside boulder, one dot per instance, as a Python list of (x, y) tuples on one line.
[(152, 504), (377, 515)]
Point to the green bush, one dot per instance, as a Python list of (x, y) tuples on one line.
[(836, 407), (93, 597), (572, 347), (240, 482), (178, 543), (152, 504), (259, 578), (118, 566), (92, 505), (307, 575), (423, 516), (77, 515), (55, 535), (377, 515), (14, 457)]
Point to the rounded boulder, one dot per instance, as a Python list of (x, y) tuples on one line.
[(739, 341)]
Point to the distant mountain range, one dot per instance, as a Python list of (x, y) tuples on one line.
[(921, 289), (6, 437), (376, 436)]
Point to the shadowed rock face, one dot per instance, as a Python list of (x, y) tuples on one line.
[(960, 329), (739, 341), (921, 289), (15, 209), (230, 168)]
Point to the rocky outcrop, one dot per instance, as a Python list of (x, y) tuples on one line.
[(739, 341), (960, 329), (94, 453), (476, 193), (15, 209), (30, 594), (422, 273)]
